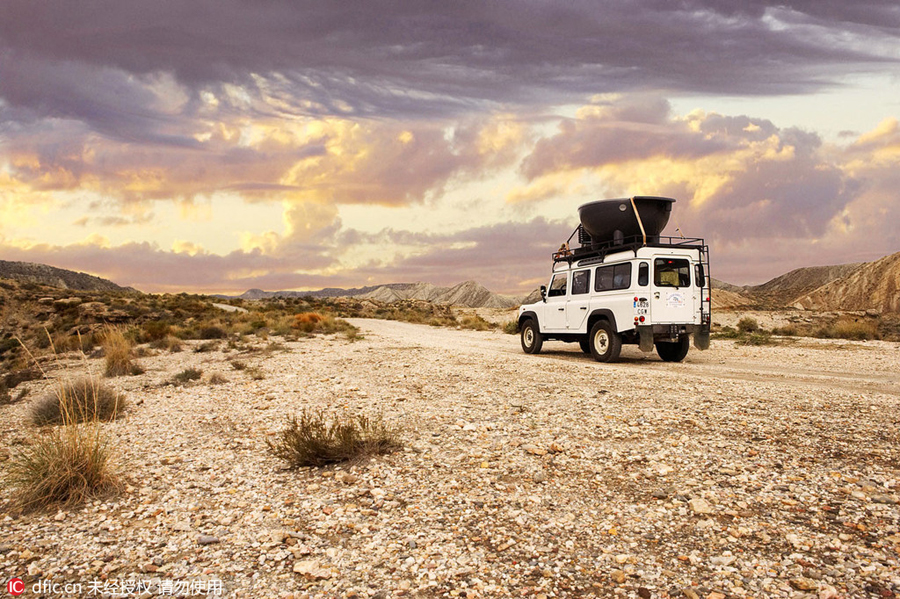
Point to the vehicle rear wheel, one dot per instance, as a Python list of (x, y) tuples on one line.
[(605, 342), (585, 346), (674, 351), (531, 337)]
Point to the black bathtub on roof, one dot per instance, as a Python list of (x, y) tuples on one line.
[(615, 221)]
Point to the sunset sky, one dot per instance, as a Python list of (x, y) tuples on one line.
[(222, 145)]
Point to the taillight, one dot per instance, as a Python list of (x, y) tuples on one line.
[(642, 319)]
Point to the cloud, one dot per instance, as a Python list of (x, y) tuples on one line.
[(392, 58)]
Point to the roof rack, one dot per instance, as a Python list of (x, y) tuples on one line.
[(591, 252)]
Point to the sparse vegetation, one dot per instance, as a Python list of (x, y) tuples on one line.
[(748, 324), (476, 323), (65, 465), (83, 400), (207, 346), (187, 375), (310, 439), (310, 323), (511, 327), (217, 379), (118, 353), (858, 329)]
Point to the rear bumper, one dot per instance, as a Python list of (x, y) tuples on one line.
[(649, 334)]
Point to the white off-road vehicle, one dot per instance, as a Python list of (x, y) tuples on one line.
[(624, 284)]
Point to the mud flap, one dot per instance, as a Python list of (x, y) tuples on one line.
[(645, 334), (701, 340)]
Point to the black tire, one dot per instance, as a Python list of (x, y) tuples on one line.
[(585, 346), (532, 340), (674, 351), (605, 342)]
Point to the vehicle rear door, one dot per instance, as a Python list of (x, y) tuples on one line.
[(672, 297)]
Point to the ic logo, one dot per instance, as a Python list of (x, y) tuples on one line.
[(15, 586)]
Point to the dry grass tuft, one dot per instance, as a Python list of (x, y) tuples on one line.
[(84, 400), (187, 375), (65, 465), (311, 440), (117, 349), (310, 323)]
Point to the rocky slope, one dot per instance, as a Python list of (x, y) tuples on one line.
[(871, 286), (788, 288), (42, 274)]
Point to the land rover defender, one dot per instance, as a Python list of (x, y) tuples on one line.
[(624, 283)]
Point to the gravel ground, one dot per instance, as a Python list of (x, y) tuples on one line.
[(742, 472)]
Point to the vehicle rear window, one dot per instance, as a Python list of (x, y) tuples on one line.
[(671, 272), (615, 276)]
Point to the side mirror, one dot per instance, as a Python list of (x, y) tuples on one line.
[(543, 293)]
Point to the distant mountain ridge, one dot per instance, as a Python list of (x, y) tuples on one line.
[(42, 274), (468, 294), (843, 287)]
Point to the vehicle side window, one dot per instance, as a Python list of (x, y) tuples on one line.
[(558, 285), (699, 276), (643, 274), (671, 272), (616, 276), (581, 282)]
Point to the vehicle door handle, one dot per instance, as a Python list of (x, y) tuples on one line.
[(584, 307), (561, 309)]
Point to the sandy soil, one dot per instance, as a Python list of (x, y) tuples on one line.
[(742, 472)]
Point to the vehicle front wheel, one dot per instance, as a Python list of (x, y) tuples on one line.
[(531, 337), (674, 351), (605, 342)]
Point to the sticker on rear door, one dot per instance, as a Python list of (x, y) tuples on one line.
[(675, 300)]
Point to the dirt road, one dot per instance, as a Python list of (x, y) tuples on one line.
[(742, 472)]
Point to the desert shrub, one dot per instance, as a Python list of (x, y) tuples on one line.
[(313, 322), (312, 440), (8, 345), (255, 373), (65, 464), (238, 365), (21, 375), (83, 400), (727, 333), (169, 343), (848, 328), (747, 324), (155, 330), (208, 346), (117, 351), (476, 323), (217, 379), (511, 327), (187, 375), (212, 332), (788, 330), (757, 338)]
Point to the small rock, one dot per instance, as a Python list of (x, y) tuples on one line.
[(534, 449), (207, 540), (34, 569), (880, 498), (690, 594), (660, 494), (540, 477), (803, 584), (312, 569), (644, 593), (699, 506), (617, 576)]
